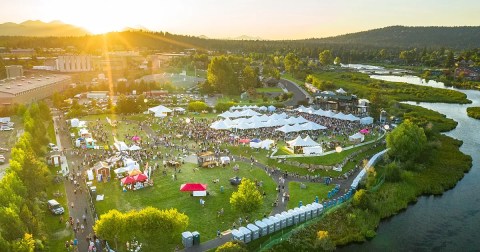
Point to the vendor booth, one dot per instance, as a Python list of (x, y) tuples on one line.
[(356, 138), (207, 159)]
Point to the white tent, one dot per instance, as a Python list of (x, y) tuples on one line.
[(309, 142), (301, 109), (357, 137), (328, 113), (312, 126), (296, 142), (264, 118), (263, 108), (121, 146), (300, 119), (271, 108), (250, 112), (366, 120), (340, 116), (312, 150), (351, 117), (266, 144), (221, 125), (160, 111), (226, 114), (340, 91), (134, 148)]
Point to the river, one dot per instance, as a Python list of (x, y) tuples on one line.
[(450, 222)]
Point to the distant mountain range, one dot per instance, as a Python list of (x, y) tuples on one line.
[(462, 37), (410, 37), (37, 28), (243, 37)]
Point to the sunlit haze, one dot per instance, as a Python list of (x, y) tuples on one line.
[(269, 19)]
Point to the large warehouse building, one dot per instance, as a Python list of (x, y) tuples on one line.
[(26, 90)]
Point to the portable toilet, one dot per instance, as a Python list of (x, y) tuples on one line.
[(283, 220), (247, 234), (255, 231), (196, 238), (321, 208), (262, 228), (295, 216), (301, 214), (187, 239), (270, 225), (237, 235), (308, 212), (276, 222), (314, 207), (288, 218)]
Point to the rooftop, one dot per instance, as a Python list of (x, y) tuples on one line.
[(27, 83)]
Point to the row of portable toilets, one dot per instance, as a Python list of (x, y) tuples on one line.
[(275, 223)]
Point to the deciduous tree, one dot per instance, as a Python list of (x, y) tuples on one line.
[(247, 198), (407, 141)]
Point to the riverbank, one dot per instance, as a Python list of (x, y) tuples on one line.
[(439, 171), (474, 112)]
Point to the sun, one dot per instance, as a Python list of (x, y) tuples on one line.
[(101, 26)]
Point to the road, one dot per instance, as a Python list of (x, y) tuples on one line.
[(299, 94), (76, 195)]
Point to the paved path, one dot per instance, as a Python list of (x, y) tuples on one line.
[(80, 199), (299, 94)]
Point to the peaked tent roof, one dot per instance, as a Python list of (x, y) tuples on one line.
[(296, 142), (160, 109), (190, 187), (309, 142)]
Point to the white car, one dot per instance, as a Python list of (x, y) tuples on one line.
[(53, 147), (5, 128), (2, 159)]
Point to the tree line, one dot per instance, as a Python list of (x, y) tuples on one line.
[(22, 190)]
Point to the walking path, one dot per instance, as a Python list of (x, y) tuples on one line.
[(77, 200)]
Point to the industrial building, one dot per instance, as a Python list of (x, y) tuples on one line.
[(34, 88)]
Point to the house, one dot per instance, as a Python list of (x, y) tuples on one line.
[(467, 73)]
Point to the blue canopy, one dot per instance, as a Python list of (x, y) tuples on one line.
[(256, 140)]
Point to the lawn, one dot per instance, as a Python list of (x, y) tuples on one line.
[(308, 194), (269, 90), (58, 233), (165, 194)]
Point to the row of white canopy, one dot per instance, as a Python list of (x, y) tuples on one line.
[(328, 113), (264, 121), (262, 108), (302, 142)]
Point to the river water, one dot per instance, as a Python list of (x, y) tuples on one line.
[(450, 222)]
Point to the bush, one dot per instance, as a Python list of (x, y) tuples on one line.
[(232, 246), (392, 172), (370, 234)]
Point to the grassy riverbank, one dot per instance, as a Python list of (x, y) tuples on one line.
[(363, 86), (474, 112), (442, 166)]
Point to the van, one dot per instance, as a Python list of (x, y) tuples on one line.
[(55, 207)]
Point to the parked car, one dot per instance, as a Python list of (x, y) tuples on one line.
[(5, 128), (2, 159), (2, 150), (55, 207), (53, 147)]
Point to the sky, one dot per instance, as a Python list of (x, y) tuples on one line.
[(267, 19)]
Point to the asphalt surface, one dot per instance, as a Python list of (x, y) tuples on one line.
[(298, 93)]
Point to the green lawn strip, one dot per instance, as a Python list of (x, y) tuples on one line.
[(57, 231), (165, 194), (308, 194), (473, 112), (291, 78), (363, 86)]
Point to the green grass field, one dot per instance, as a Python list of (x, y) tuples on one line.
[(165, 194), (308, 194)]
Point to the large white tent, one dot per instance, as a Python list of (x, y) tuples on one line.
[(352, 118), (220, 125), (160, 111), (302, 142), (366, 120), (357, 137), (312, 126)]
